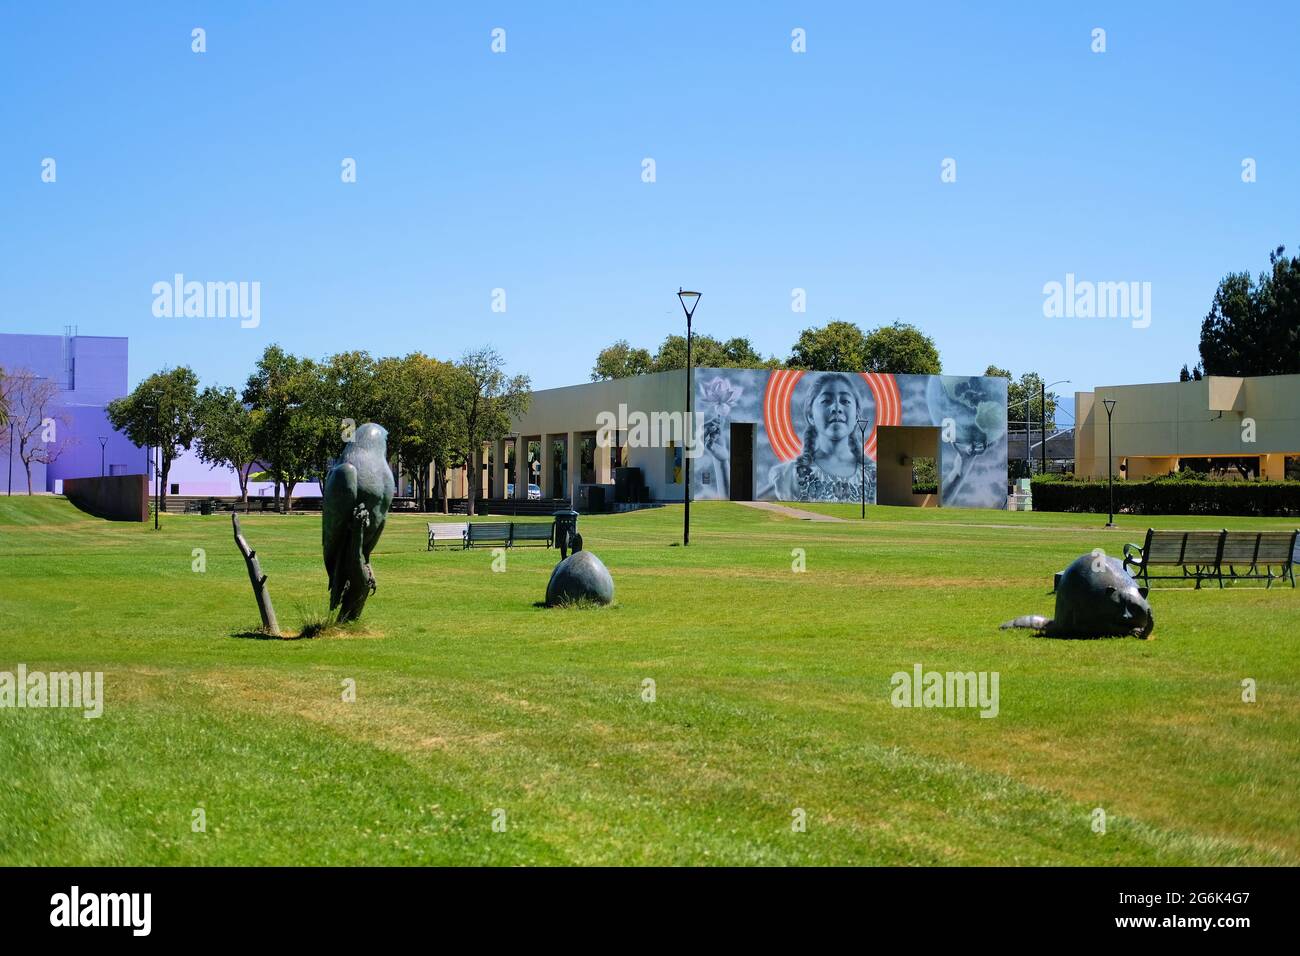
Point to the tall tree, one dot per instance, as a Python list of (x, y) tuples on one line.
[(428, 433), (160, 412), (835, 347), (902, 349), (27, 401), (224, 435), (289, 424), (484, 403), (349, 379), (1253, 327), (392, 404), (620, 360)]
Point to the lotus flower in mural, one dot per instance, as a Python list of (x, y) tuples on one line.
[(720, 394)]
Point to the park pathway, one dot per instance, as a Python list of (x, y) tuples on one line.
[(789, 512)]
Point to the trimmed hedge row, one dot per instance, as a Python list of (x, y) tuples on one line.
[(1169, 496)]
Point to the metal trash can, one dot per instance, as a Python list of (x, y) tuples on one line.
[(566, 532)]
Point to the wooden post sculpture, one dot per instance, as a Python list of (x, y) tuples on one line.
[(258, 579)]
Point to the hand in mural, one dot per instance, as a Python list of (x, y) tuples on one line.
[(715, 437)]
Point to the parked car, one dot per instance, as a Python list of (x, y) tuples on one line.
[(534, 491)]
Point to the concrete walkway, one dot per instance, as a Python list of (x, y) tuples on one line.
[(788, 512)]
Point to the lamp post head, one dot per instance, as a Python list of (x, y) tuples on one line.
[(1110, 404), (688, 300)]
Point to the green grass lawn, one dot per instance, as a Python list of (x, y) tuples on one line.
[(772, 693)]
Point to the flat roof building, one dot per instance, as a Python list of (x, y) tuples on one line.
[(1156, 427), (768, 435)]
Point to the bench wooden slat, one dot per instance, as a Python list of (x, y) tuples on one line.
[(1203, 555), (532, 531), (487, 531), (1277, 547), (445, 531)]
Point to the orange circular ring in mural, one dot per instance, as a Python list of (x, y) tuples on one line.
[(781, 432)]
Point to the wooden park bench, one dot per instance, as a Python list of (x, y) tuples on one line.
[(1194, 553), (1203, 555), (532, 531), (446, 531), (1258, 552), (487, 532)]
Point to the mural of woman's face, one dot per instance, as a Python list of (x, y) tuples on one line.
[(835, 409)]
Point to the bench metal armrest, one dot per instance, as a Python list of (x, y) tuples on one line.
[(1132, 554)]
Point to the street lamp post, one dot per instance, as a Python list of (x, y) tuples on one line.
[(103, 446), (1110, 404), (157, 484), (1042, 420), (689, 301), (152, 406), (862, 455)]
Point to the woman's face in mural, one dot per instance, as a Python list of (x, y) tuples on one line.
[(835, 410)]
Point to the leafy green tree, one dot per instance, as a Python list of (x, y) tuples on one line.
[(902, 349), (349, 381), (160, 412), (708, 352), (412, 401), (484, 400), (620, 360), (1025, 403), (1023, 395), (224, 435), (835, 347), (289, 409), (1253, 327), (429, 432)]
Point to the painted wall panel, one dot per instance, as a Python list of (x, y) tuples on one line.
[(815, 432)]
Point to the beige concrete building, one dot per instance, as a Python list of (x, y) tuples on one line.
[(1156, 426), (555, 440)]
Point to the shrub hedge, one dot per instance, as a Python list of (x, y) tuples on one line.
[(1171, 495)]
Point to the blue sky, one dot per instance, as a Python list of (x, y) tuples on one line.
[(523, 171)]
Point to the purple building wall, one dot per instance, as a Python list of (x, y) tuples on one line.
[(90, 372)]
